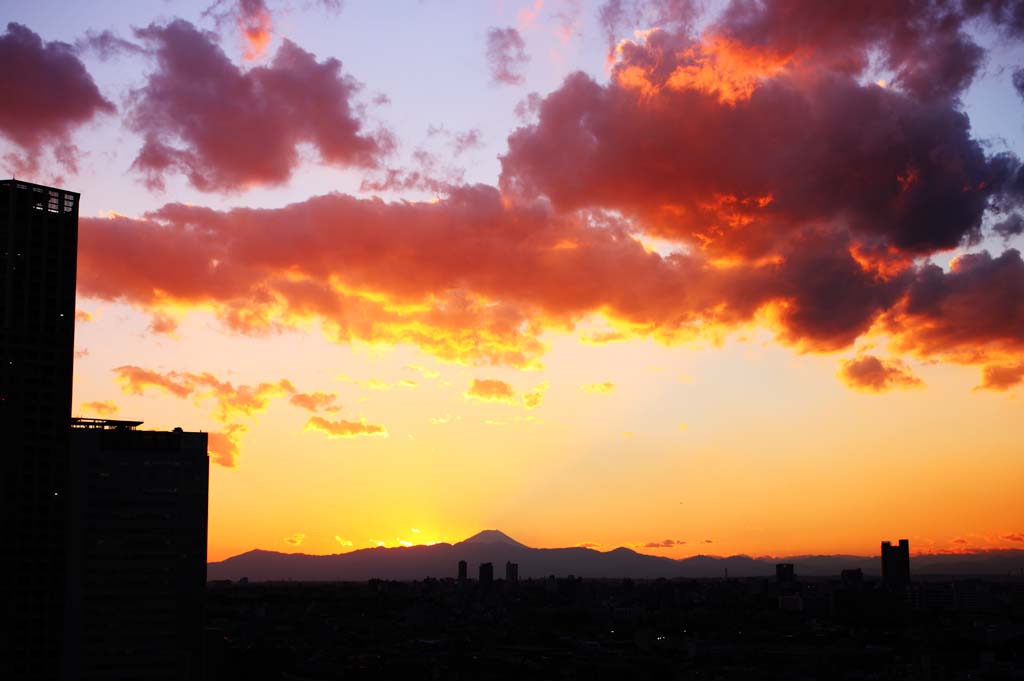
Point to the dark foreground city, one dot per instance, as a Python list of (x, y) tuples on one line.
[(848, 628)]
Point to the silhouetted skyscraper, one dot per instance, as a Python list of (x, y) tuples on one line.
[(38, 251), (137, 550), (511, 572), (852, 577), (486, 573), (784, 573), (463, 571), (896, 563)]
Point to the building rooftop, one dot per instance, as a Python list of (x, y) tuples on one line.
[(81, 423)]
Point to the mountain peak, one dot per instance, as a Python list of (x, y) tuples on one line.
[(492, 537)]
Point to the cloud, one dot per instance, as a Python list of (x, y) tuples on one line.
[(195, 93), (1018, 81), (664, 544), (423, 371), (1001, 377), (616, 17), (720, 146), (231, 400), (970, 314), (595, 388), (135, 380), (314, 401), (163, 324), (1014, 537), (102, 409), (253, 19), (223, 447), (731, 148), (343, 542), (506, 54), (80, 354), (1012, 226), (871, 374), (533, 398), (106, 45), (82, 316), (32, 117), (295, 539), (464, 141), (342, 428), (588, 545), (490, 390)]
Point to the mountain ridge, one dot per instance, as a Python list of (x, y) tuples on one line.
[(493, 546)]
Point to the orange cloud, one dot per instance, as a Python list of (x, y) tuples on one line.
[(871, 374), (231, 400), (82, 316), (295, 539), (255, 24), (1001, 376), (490, 390), (593, 388), (223, 447), (134, 381), (313, 401), (162, 323), (105, 408), (342, 428)]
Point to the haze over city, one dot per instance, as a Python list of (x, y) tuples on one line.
[(689, 278)]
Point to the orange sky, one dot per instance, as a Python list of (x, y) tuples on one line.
[(739, 279)]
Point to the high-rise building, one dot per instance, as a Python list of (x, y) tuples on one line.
[(486, 573), (463, 571), (896, 563), (38, 251), (511, 571), (137, 552)]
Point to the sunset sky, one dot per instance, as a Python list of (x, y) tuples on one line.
[(688, 277)]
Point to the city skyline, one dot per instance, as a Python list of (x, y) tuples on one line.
[(415, 304)]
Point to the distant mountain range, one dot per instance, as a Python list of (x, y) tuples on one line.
[(441, 560)]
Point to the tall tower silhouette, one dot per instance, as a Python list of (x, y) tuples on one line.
[(896, 563), (38, 251)]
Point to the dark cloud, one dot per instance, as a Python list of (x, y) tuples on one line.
[(107, 45), (664, 544), (47, 93), (227, 129), (619, 18), (1018, 81), (736, 159), (972, 313), (871, 374), (1010, 227), (506, 54)]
